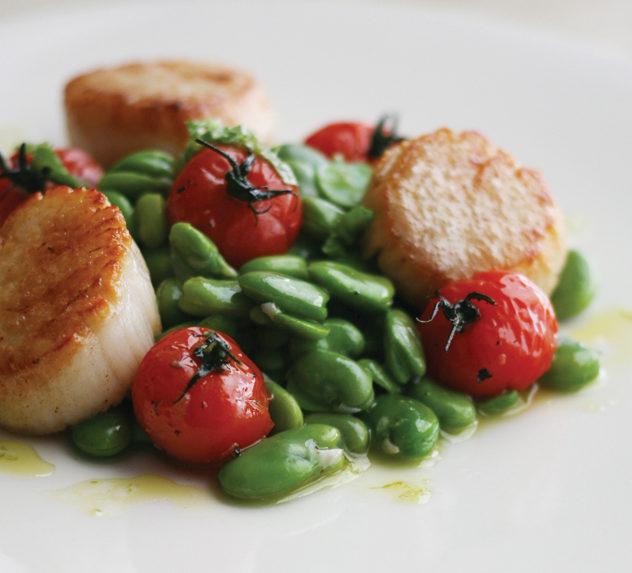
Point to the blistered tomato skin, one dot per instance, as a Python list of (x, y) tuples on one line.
[(509, 346), (199, 196), (223, 412)]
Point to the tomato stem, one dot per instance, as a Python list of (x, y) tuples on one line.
[(214, 352), (459, 314), (24, 176), (381, 138), (237, 184)]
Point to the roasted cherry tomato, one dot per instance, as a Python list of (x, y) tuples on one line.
[(239, 200), (199, 397), (81, 165), (493, 332), (19, 179), (355, 141)]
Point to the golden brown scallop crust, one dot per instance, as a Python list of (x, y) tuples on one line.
[(112, 112), (61, 257), (449, 205)]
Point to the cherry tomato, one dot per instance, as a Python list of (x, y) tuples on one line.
[(199, 397), (493, 332), (351, 140), (22, 179), (239, 201), (356, 141), (81, 165)]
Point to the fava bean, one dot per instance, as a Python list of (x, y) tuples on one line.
[(344, 337), (574, 365), (125, 205), (292, 296), (150, 162), (150, 220), (133, 185), (402, 426), (289, 265), (168, 295), (455, 410), (499, 405), (202, 296), (343, 183), (159, 264), (363, 291), (303, 153), (330, 382), (306, 177), (284, 409), (105, 434), (576, 287), (320, 217), (270, 314), (354, 432), (283, 462), (198, 253), (379, 375), (403, 353), (227, 324)]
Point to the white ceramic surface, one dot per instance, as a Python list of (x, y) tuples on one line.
[(547, 490)]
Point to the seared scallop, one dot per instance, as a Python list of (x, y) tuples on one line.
[(112, 112), (448, 205), (77, 310)]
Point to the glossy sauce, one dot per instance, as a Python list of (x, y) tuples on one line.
[(19, 458), (112, 495), (610, 333)]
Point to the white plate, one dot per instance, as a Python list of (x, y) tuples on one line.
[(548, 490)]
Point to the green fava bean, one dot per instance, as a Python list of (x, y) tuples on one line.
[(283, 462), (305, 176), (329, 381), (227, 324), (499, 405), (197, 253), (576, 287), (320, 217), (106, 434), (574, 365), (402, 426), (380, 375), (133, 185), (151, 162), (455, 410), (270, 314), (168, 295), (353, 223), (159, 264), (302, 153), (202, 296), (363, 291), (292, 296), (150, 220), (283, 407), (344, 337), (125, 205), (343, 183), (403, 353), (290, 265), (354, 432)]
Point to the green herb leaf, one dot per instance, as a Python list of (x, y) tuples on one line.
[(214, 131)]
